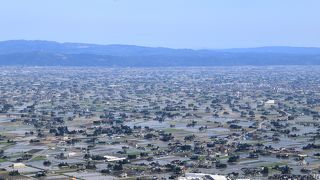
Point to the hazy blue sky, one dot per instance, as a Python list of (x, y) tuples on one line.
[(167, 23)]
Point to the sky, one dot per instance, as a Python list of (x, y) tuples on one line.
[(197, 24)]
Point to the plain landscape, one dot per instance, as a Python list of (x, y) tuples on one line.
[(167, 123), (159, 90)]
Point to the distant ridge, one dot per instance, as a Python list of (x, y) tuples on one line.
[(50, 53)]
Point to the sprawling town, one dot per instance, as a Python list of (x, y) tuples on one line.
[(219, 123)]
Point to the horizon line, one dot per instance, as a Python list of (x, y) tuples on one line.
[(146, 46)]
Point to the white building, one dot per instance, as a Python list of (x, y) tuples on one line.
[(270, 102), (113, 158), (202, 176), (18, 165)]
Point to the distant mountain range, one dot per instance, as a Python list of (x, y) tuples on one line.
[(48, 53)]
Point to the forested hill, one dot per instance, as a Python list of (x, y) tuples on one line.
[(48, 53)]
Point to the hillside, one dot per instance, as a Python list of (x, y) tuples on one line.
[(48, 53)]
